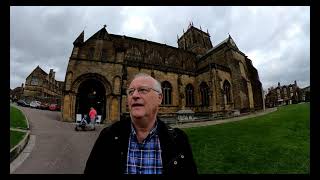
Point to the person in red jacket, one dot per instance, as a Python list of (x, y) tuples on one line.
[(92, 115)]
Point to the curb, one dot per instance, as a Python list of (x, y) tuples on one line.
[(28, 125), (17, 149)]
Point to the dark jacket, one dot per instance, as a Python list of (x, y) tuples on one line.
[(109, 153)]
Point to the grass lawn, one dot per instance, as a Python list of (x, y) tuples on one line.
[(17, 119), (15, 137), (278, 142)]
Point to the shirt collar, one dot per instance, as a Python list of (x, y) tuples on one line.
[(151, 133)]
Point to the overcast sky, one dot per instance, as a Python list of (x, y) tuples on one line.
[(276, 39)]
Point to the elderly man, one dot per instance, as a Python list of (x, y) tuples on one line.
[(142, 144)]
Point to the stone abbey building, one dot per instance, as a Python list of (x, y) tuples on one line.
[(198, 75), (42, 86)]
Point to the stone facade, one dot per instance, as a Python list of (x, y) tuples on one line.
[(16, 93), (306, 94), (195, 76), (42, 86), (283, 95)]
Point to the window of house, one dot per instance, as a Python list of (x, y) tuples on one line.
[(189, 95), (285, 92), (34, 81), (204, 91), (166, 90), (278, 94)]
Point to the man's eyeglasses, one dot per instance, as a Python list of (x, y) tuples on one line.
[(141, 90)]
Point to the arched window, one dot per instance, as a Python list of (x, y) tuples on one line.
[(204, 90), (226, 88), (189, 95), (90, 53), (166, 90)]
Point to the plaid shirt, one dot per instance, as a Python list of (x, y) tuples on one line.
[(145, 157)]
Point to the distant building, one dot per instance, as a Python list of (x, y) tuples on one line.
[(283, 95), (306, 94), (42, 86), (16, 93)]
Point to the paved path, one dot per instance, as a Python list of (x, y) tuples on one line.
[(208, 123), (54, 146)]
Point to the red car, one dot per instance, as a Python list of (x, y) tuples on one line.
[(54, 107)]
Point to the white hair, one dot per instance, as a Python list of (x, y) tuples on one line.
[(157, 84)]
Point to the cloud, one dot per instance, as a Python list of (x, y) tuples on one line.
[(276, 39)]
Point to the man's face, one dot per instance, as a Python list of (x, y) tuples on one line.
[(143, 106)]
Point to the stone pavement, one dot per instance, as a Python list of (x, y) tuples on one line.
[(214, 122), (54, 146)]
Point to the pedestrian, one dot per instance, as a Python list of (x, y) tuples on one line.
[(92, 116)]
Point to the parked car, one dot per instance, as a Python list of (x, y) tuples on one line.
[(44, 106), (54, 107), (22, 103), (35, 104)]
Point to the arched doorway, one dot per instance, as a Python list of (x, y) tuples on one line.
[(91, 93)]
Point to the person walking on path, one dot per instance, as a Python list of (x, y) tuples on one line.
[(92, 116)]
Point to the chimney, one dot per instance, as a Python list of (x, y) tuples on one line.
[(295, 82), (22, 85), (53, 74), (278, 84)]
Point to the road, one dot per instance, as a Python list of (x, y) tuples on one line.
[(58, 148)]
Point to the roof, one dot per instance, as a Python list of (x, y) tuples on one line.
[(17, 89), (79, 39), (38, 69), (228, 40), (104, 31)]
